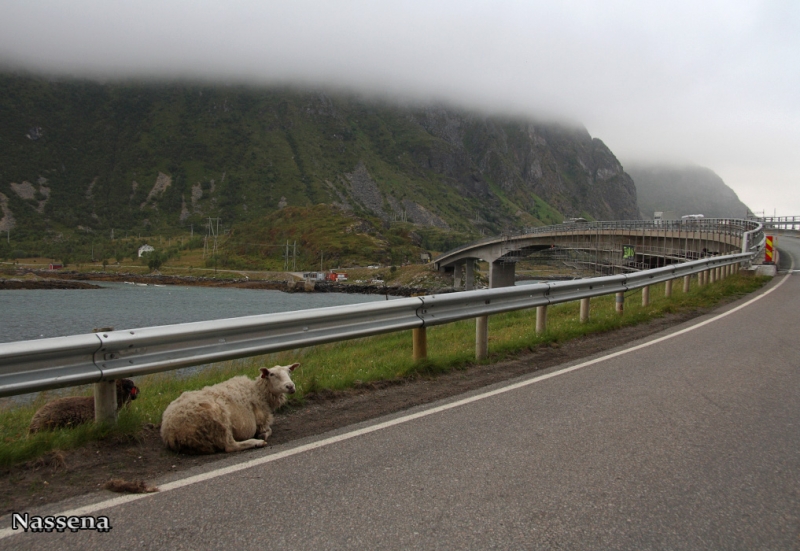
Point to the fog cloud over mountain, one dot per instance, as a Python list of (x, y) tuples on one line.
[(712, 83)]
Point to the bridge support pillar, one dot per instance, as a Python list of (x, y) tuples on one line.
[(584, 310), (501, 274), (481, 338), (646, 296), (541, 319), (668, 288), (687, 281), (457, 276), (619, 302), (105, 402), (420, 344), (469, 276)]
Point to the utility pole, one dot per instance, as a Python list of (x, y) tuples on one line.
[(294, 257)]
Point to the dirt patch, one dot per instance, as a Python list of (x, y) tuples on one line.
[(60, 474)]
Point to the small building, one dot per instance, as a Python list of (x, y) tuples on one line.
[(144, 249), (425, 257), (56, 266)]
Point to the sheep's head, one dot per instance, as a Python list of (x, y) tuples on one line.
[(279, 378), (126, 391)]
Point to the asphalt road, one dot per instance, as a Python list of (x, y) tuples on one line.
[(688, 442)]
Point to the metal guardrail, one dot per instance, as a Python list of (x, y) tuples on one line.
[(30, 366)]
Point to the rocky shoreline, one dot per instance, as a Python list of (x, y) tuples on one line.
[(14, 283), (79, 280)]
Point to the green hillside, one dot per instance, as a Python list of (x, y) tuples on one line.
[(79, 159)]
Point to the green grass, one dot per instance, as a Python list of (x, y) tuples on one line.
[(342, 365)]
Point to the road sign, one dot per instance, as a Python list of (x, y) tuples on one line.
[(769, 253), (628, 252)]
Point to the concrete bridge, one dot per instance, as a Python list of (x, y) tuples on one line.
[(608, 247)]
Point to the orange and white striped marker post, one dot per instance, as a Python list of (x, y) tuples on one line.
[(769, 252)]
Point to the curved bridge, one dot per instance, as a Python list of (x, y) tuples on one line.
[(609, 247)]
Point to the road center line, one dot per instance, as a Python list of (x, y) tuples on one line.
[(113, 502)]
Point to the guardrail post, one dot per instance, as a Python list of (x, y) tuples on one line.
[(105, 402), (541, 319), (481, 337), (619, 302), (584, 310), (668, 288), (646, 295), (420, 344), (712, 275), (105, 394), (687, 281)]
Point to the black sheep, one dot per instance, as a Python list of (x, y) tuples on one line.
[(76, 410)]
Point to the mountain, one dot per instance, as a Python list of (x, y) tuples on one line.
[(679, 190), (83, 157)]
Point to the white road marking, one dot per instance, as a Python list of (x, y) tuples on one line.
[(107, 504)]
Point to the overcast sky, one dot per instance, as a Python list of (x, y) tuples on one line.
[(714, 83)]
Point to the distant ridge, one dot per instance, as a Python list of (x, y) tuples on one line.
[(678, 190)]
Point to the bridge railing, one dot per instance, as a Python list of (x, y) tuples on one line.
[(35, 365)]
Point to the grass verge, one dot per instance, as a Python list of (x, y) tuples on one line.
[(347, 364)]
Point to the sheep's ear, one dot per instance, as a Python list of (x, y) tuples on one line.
[(293, 367), (265, 372)]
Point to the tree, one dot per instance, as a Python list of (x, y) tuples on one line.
[(154, 261)]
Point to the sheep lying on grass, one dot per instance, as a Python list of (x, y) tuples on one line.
[(230, 416), (76, 410)]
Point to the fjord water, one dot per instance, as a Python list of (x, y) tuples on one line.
[(38, 314)]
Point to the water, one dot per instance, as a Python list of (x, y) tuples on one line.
[(37, 314)]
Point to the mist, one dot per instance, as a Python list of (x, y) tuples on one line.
[(711, 83)]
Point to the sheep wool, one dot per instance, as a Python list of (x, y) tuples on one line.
[(76, 410), (230, 416)]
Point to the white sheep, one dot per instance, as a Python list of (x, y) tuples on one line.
[(233, 415)]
